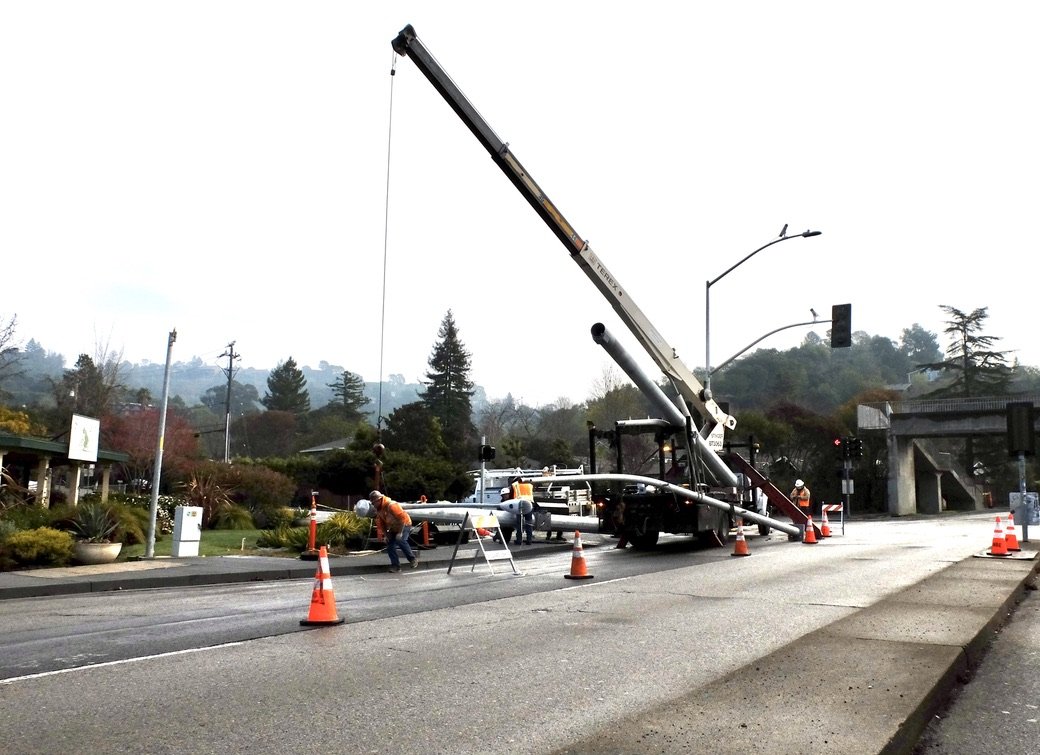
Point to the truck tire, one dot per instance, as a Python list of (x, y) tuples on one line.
[(646, 540)]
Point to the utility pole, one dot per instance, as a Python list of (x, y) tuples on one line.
[(153, 506), (230, 372)]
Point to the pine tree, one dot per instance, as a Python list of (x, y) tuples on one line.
[(287, 389), (449, 390), (349, 391), (978, 370)]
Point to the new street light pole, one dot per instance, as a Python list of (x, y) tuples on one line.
[(707, 299)]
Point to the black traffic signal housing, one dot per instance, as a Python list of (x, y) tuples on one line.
[(841, 326), (855, 447), (486, 453), (841, 449), (1021, 437)]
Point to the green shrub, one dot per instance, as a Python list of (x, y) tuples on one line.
[(273, 517), (345, 528), (231, 516), (131, 523), (43, 546), (284, 537), (27, 516)]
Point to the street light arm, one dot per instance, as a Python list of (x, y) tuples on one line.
[(804, 235), (762, 338)]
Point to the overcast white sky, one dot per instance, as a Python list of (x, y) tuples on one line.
[(221, 168)]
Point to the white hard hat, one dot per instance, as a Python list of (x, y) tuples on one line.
[(374, 495), (799, 484)]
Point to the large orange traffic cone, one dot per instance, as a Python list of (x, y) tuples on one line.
[(810, 532), (578, 569), (323, 600), (740, 546), (999, 547), (825, 526), (1010, 538)]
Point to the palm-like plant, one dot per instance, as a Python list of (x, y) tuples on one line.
[(94, 523)]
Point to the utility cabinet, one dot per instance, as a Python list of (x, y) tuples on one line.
[(187, 531)]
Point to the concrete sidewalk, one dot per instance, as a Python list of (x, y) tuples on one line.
[(210, 570)]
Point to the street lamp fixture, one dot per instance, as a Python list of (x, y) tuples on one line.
[(707, 299)]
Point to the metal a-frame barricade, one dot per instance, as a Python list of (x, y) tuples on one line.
[(474, 523)]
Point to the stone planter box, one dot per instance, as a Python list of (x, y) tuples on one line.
[(96, 553)]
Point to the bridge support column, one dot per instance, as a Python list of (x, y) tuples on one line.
[(929, 493), (902, 496)]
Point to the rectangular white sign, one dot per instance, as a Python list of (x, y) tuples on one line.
[(83, 438)]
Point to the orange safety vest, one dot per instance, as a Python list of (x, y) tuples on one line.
[(523, 490), (393, 517), (801, 497)]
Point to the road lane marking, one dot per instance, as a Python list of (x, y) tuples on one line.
[(43, 674)]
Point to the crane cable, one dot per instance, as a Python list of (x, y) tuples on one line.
[(386, 227)]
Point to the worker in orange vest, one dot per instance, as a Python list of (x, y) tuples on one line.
[(523, 494), (802, 498), (397, 525)]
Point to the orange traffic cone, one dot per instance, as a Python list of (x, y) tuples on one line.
[(810, 532), (578, 569), (1010, 538), (740, 546), (999, 547), (323, 601), (825, 526)]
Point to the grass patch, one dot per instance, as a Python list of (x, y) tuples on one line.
[(212, 543)]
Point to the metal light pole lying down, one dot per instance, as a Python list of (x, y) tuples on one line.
[(692, 495)]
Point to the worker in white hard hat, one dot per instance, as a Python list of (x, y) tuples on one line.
[(802, 498)]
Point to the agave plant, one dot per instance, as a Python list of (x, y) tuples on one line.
[(93, 523)]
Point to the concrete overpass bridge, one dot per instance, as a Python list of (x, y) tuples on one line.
[(922, 479)]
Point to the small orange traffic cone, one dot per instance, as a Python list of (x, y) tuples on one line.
[(323, 600), (1010, 538), (825, 526), (740, 546), (810, 532), (999, 547), (578, 569)]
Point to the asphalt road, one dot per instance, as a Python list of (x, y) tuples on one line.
[(797, 648)]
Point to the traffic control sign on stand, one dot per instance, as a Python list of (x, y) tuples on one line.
[(835, 508), (323, 600)]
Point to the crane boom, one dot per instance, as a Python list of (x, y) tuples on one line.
[(408, 44)]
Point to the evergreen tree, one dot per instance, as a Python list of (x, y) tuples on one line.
[(287, 389), (449, 390), (978, 370), (349, 392)]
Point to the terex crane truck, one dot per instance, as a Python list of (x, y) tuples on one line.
[(708, 498)]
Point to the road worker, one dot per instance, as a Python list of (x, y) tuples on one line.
[(523, 493), (397, 525), (801, 498)]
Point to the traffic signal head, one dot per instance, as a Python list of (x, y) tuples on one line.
[(486, 453), (840, 450), (841, 326)]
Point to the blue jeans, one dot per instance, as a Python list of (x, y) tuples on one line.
[(399, 540)]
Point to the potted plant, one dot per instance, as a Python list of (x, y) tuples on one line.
[(94, 525)]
